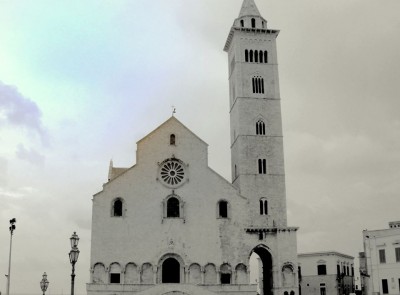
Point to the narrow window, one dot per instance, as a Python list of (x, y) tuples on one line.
[(254, 85), (260, 236), (263, 207), (385, 289), (321, 269), (173, 207), (262, 85), (246, 55), (264, 166), (253, 23), (352, 271), (172, 139), (242, 23), (382, 256), (256, 56), (338, 269), (223, 209), (397, 251), (251, 55), (261, 57), (117, 208), (348, 271), (260, 128), (266, 56), (115, 278), (260, 171), (262, 24), (322, 290)]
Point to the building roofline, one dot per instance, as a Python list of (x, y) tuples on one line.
[(321, 253)]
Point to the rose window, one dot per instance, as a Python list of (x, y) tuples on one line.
[(172, 172)]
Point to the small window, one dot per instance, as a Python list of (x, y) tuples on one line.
[(261, 57), (256, 56), (262, 166), (173, 207), (338, 269), (251, 55), (225, 278), (242, 23), (246, 55), (266, 56), (321, 269), (115, 278), (382, 256), (225, 274), (292, 293), (263, 207), (223, 209), (260, 127), (117, 208), (385, 289), (397, 251), (253, 23), (172, 139)]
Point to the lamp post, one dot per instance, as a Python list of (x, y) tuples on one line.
[(73, 258), (44, 283), (12, 228)]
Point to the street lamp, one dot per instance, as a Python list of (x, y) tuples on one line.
[(73, 258), (44, 283), (12, 228)]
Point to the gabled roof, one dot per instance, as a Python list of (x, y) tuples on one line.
[(249, 8), (165, 123)]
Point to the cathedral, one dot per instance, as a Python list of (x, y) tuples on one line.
[(171, 225)]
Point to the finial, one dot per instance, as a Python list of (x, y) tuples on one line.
[(173, 110)]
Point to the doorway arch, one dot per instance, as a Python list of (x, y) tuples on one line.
[(170, 269), (265, 274)]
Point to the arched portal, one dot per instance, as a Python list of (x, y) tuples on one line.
[(263, 269), (171, 271)]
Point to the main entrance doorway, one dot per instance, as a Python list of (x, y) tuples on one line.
[(261, 270)]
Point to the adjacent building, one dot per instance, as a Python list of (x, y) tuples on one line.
[(326, 273), (380, 261), (171, 225)]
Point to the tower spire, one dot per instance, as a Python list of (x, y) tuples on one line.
[(249, 8)]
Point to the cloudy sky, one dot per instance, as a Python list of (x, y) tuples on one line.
[(82, 81)]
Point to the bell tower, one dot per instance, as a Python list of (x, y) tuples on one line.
[(255, 117)]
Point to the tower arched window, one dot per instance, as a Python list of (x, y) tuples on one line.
[(246, 55), (256, 56), (242, 23), (253, 23), (251, 55), (261, 56), (258, 85), (263, 207), (172, 139), (266, 56), (173, 207), (260, 127), (223, 209), (262, 166), (117, 208)]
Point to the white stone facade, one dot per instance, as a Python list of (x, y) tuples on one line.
[(170, 224), (381, 260), (326, 273)]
